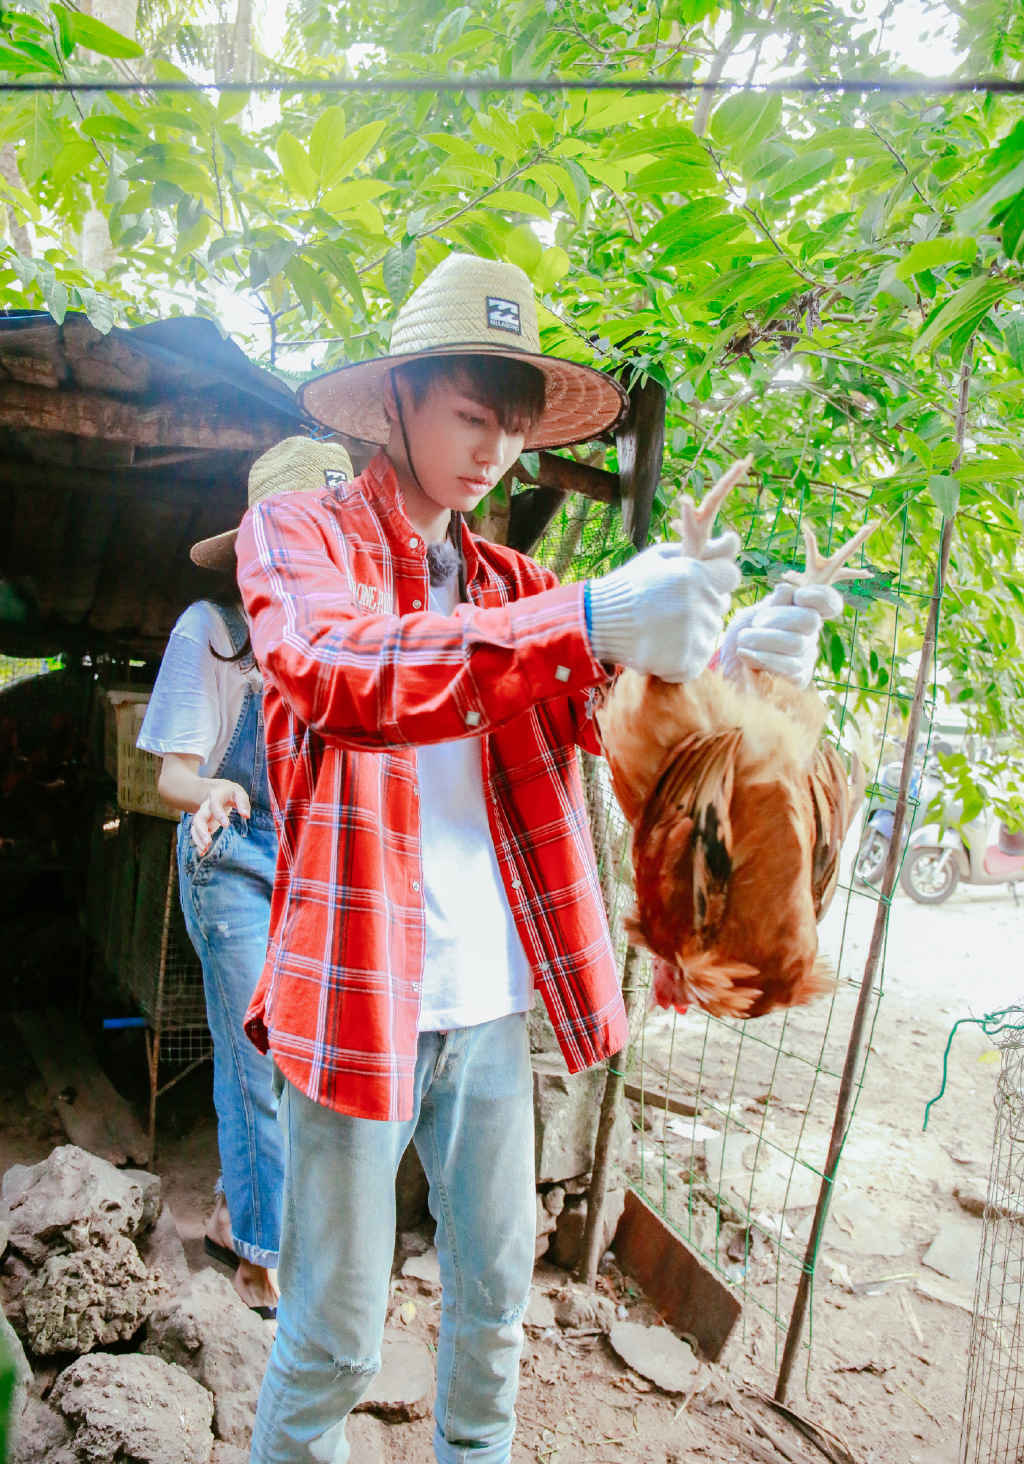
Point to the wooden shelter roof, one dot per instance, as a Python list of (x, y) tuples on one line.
[(117, 452)]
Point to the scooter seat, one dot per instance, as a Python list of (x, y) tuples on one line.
[(1003, 866)]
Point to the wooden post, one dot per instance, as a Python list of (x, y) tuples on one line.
[(641, 445), (590, 1253)]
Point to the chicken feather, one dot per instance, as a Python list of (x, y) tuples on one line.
[(739, 811)]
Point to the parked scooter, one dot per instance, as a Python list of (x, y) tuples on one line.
[(939, 858), (878, 817)]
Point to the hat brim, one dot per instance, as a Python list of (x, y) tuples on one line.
[(580, 402), (217, 552)]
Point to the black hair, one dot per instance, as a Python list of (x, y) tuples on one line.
[(227, 596), (513, 390)]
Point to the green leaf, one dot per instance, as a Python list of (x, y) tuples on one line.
[(554, 266), (945, 490), (340, 264), (745, 118), (799, 174), (98, 308), (531, 463), (325, 142), (229, 104), (966, 309), (1013, 228), (344, 197), (356, 147), (83, 30), (933, 253), (515, 201), (1012, 326), (295, 165), (397, 270)]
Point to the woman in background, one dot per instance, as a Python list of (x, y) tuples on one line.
[(205, 720)]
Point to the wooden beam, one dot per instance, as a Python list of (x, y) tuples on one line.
[(186, 421), (532, 510), (641, 446), (568, 476), (149, 484)]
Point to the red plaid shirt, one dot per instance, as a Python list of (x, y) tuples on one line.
[(358, 674)]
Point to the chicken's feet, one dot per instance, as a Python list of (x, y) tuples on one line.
[(834, 570), (694, 524)]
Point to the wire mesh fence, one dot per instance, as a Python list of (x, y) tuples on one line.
[(733, 1119), (993, 1418)]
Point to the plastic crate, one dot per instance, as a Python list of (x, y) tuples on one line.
[(137, 771)]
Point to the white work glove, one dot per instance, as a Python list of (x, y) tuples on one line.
[(780, 633), (663, 612)]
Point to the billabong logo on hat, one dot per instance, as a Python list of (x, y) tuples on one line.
[(503, 315)]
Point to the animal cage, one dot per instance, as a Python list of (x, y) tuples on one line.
[(157, 964), (993, 1418)]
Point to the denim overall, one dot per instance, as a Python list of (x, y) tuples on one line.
[(225, 898)]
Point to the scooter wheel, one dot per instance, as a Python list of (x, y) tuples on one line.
[(926, 878), (871, 857)]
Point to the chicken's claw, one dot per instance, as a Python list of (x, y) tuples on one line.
[(833, 570), (694, 524)]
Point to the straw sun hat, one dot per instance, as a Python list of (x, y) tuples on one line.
[(293, 466), (469, 306)]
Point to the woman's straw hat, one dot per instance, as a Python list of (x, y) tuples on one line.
[(295, 465), (470, 306)]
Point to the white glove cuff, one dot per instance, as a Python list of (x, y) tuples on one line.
[(612, 619)]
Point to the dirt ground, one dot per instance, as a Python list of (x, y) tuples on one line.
[(890, 1333)]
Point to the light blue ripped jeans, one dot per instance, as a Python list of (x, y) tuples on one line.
[(473, 1130), (225, 898)]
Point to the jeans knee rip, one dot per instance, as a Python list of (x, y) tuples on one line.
[(360, 1367)]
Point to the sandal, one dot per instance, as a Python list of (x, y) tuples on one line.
[(222, 1253), (268, 1313)]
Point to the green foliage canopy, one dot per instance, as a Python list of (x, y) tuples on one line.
[(810, 276)]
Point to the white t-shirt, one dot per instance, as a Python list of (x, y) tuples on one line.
[(197, 699), (475, 969)]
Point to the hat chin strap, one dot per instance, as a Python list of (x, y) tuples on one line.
[(454, 531)]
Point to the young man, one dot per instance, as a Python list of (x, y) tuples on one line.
[(425, 693)]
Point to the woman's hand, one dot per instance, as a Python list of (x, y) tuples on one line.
[(215, 810)]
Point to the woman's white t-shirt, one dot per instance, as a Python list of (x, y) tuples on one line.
[(475, 969), (197, 699)]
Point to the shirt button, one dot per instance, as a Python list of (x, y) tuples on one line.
[(414, 543), (472, 719), (417, 604), (516, 884), (416, 884), (561, 673)]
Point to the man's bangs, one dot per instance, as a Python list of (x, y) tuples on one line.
[(513, 390)]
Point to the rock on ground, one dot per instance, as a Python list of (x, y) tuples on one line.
[(368, 1439), (88, 1298), (403, 1388), (657, 1354), (162, 1250), (41, 1436), (566, 1111), (135, 1408), (13, 1357), (567, 1242), (211, 1334), (425, 1268), (72, 1200)]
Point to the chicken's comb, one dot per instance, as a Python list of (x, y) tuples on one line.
[(833, 570), (694, 524)]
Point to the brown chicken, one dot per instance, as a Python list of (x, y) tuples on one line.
[(739, 809)]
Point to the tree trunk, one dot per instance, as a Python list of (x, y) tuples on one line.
[(21, 238), (97, 250)]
